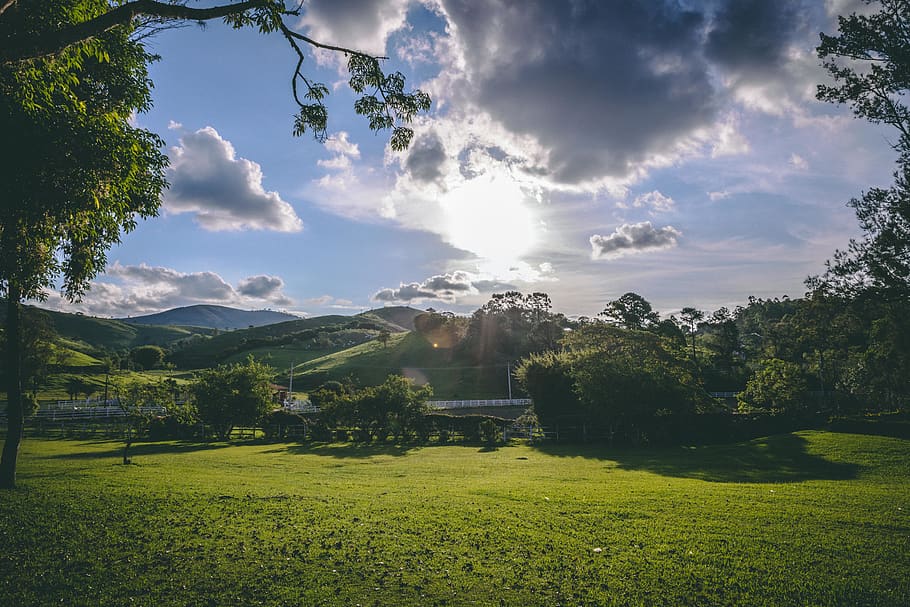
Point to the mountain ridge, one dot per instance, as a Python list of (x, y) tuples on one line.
[(211, 316)]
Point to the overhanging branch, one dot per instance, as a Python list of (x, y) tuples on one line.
[(32, 47)]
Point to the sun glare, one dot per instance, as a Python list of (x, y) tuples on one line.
[(490, 217)]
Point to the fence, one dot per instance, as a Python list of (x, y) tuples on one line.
[(465, 404)]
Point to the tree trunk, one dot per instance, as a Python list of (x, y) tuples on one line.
[(15, 414)]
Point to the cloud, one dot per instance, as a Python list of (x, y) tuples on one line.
[(173, 125), (222, 191), (343, 149), (798, 162), (601, 87), (444, 287), (752, 36), (262, 286), (633, 238), (654, 201), (365, 24), (129, 290), (426, 157)]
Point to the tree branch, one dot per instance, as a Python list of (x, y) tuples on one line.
[(5, 6), (32, 47)]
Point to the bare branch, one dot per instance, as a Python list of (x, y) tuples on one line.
[(6, 5)]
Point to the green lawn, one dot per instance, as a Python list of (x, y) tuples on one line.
[(812, 518)]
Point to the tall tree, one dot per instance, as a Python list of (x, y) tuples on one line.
[(869, 61), (690, 318), (631, 311), (77, 173)]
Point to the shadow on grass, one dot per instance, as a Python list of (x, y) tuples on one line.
[(892, 425), (775, 459), (345, 450), (140, 449)]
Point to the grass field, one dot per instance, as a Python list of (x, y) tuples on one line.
[(811, 518)]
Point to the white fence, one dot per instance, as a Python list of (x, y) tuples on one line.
[(465, 404), (86, 413)]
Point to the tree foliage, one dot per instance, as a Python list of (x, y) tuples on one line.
[(76, 172), (395, 407), (382, 98), (148, 357), (611, 379), (233, 395), (778, 385), (630, 311), (869, 61)]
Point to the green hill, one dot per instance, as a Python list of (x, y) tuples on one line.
[(306, 337), (400, 316), (211, 316), (451, 375), (88, 336)]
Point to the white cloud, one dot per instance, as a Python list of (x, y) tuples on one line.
[(222, 191), (364, 24), (129, 290), (173, 125), (654, 201), (633, 238), (798, 162)]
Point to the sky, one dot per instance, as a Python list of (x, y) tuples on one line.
[(580, 148)]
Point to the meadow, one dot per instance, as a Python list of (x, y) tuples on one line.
[(810, 518)]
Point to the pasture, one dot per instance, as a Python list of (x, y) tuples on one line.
[(810, 518)]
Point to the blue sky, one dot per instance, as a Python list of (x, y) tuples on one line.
[(585, 149)]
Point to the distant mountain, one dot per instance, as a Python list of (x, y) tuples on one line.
[(212, 317)]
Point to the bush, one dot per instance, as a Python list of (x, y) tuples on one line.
[(170, 427), (489, 432)]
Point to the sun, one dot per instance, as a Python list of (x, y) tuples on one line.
[(490, 217)]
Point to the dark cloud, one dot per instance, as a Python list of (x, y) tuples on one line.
[(223, 191), (602, 86), (488, 286), (426, 157), (444, 287), (633, 238), (261, 286), (752, 36)]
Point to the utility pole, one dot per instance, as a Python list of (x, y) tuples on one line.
[(291, 383), (509, 377)]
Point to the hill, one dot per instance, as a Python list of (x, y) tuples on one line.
[(282, 343), (452, 375), (401, 316), (91, 335), (212, 317)]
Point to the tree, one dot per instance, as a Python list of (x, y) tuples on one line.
[(233, 395), (37, 337), (690, 318), (631, 311), (148, 357), (382, 98), (135, 399), (77, 173), (778, 386), (383, 337), (869, 61)]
